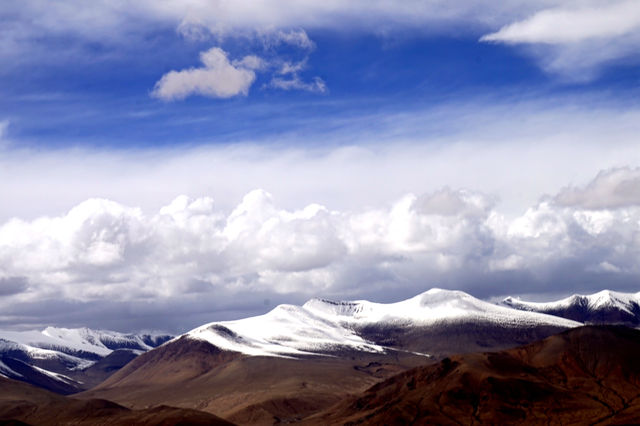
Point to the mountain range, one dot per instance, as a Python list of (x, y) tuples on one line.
[(604, 307), (314, 362), (66, 360)]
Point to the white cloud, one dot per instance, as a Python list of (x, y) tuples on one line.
[(219, 78), (297, 38), (342, 220), (103, 250), (572, 25), (288, 78), (579, 36), (251, 62), (576, 39), (461, 145), (296, 83)]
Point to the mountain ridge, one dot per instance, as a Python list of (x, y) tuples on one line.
[(321, 325), (68, 360), (603, 307)]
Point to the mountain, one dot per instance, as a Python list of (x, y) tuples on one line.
[(588, 375), (604, 307), (417, 324), (69, 360), (21, 403), (297, 360)]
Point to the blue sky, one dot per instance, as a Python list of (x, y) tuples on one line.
[(224, 157), (98, 94)]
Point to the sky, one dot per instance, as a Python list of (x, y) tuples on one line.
[(166, 164)]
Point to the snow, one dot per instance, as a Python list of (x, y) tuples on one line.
[(5, 371), (596, 301), (321, 325), (286, 330), (78, 348), (74, 340), (55, 376), (432, 306), (39, 353)]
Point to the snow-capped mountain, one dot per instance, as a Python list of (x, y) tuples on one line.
[(304, 356), (604, 307), (59, 359), (322, 326), (83, 342)]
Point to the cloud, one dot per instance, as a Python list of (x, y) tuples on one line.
[(4, 126), (411, 200), (219, 78), (565, 25), (297, 38), (576, 40), (288, 78), (610, 189), (579, 36), (102, 250), (295, 83), (12, 285), (335, 161)]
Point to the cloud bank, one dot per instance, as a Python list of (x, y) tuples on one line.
[(101, 250)]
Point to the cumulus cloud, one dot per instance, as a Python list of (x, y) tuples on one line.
[(366, 221), (611, 189), (102, 250), (219, 78)]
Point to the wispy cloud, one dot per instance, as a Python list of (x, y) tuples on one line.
[(572, 25)]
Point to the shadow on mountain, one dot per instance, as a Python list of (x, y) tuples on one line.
[(588, 375), (21, 404)]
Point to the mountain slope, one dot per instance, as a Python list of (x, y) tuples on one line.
[(604, 307), (21, 402), (69, 360), (587, 375)]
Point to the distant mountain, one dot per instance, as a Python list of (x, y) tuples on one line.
[(297, 360), (69, 360), (588, 375), (604, 307)]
